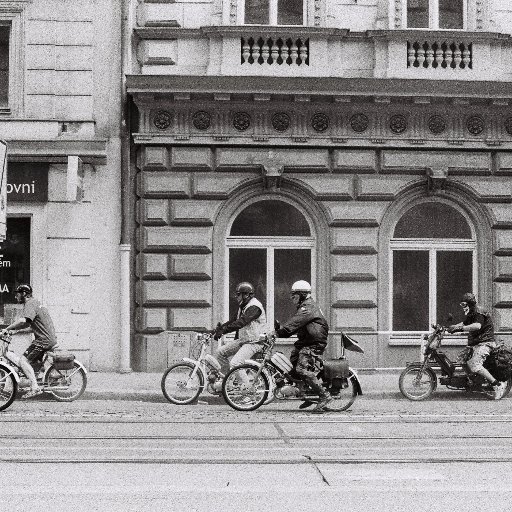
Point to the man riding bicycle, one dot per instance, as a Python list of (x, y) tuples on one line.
[(478, 324), (38, 319)]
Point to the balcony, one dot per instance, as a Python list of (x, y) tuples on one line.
[(324, 52)]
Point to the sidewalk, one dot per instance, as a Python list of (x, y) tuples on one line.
[(125, 386)]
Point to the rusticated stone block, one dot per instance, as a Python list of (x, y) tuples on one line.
[(346, 319), (194, 294), (152, 266), (155, 212), (356, 213), (355, 291), (504, 269), (241, 159), (354, 237), (504, 163), (164, 184), (493, 190), (186, 266), (176, 239), (196, 319), (193, 212), (503, 243), (364, 265), (502, 215), (153, 320), (457, 162), (327, 187), (383, 188), (216, 186), (349, 160), (502, 294), (502, 318), (155, 157), (156, 352), (195, 158)]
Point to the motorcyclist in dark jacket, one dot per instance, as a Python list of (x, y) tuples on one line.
[(311, 328)]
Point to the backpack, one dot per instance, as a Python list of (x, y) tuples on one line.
[(499, 362)]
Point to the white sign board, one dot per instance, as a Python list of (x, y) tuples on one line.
[(3, 188)]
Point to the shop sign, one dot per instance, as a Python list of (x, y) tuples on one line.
[(27, 182)]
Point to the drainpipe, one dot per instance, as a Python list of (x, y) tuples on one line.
[(126, 189)]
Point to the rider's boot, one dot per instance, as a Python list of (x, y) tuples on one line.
[(321, 406)]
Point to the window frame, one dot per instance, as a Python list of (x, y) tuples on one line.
[(433, 17), (273, 14)]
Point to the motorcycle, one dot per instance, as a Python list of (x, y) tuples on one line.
[(419, 379), (59, 374), (247, 387)]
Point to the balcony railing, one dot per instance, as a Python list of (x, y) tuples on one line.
[(439, 55), (275, 51)]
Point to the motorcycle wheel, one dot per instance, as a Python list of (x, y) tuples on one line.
[(179, 386), (66, 385), (345, 398), (8, 389), (242, 390), (417, 383)]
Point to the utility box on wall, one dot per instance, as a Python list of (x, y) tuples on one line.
[(179, 345)]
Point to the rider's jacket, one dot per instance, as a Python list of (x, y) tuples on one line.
[(251, 332), (486, 333), (309, 324)]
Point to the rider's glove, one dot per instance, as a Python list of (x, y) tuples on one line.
[(454, 328), (217, 333)]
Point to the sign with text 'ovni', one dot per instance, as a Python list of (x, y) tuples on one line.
[(27, 181)]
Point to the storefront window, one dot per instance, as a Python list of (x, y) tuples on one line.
[(274, 12), (14, 264), (270, 245), (433, 253)]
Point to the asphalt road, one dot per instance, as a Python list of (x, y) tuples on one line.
[(383, 454)]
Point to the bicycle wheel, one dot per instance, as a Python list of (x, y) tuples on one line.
[(8, 388), (242, 390), (417, 383), (66, 385), (345, 398), (180, 385)]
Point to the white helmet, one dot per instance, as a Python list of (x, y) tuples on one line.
[(301, 286)]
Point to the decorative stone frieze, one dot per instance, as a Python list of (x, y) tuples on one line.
[(280, 121), (241, 121), (436, 124), (320, 122), (398, 124), (162, 119), (201, 120), (475, 125), (359, 123)]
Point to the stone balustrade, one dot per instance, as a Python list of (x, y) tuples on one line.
[(439, 55), (277, 51)]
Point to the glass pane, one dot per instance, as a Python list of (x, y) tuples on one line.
[(410, 290), (257, 12), (14, 264), (290, 265), (247, 265), (417, 13), (4, 64), (270, 218), (454, 278), (451, 14), (432, 220), (289, 12)]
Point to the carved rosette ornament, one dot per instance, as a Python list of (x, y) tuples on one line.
[(398, 123), (437, 124), (162, 119), (508, 125), (202, 120), (241, 121), (475, 125), (280, 121), (359, 123), (320, 122)]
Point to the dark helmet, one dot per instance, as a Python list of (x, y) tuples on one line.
[(469, 298), (24, 288), (245, 287)]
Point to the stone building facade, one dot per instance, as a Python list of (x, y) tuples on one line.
[(365, 146), (60, 82)]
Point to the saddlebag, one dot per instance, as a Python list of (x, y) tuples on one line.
[(63, 361), (336, 369), (499, 362)]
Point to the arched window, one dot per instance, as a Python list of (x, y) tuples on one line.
[(433, 255), (270, 244)]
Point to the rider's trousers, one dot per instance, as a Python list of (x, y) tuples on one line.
[(303, 361), (239, 350)]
